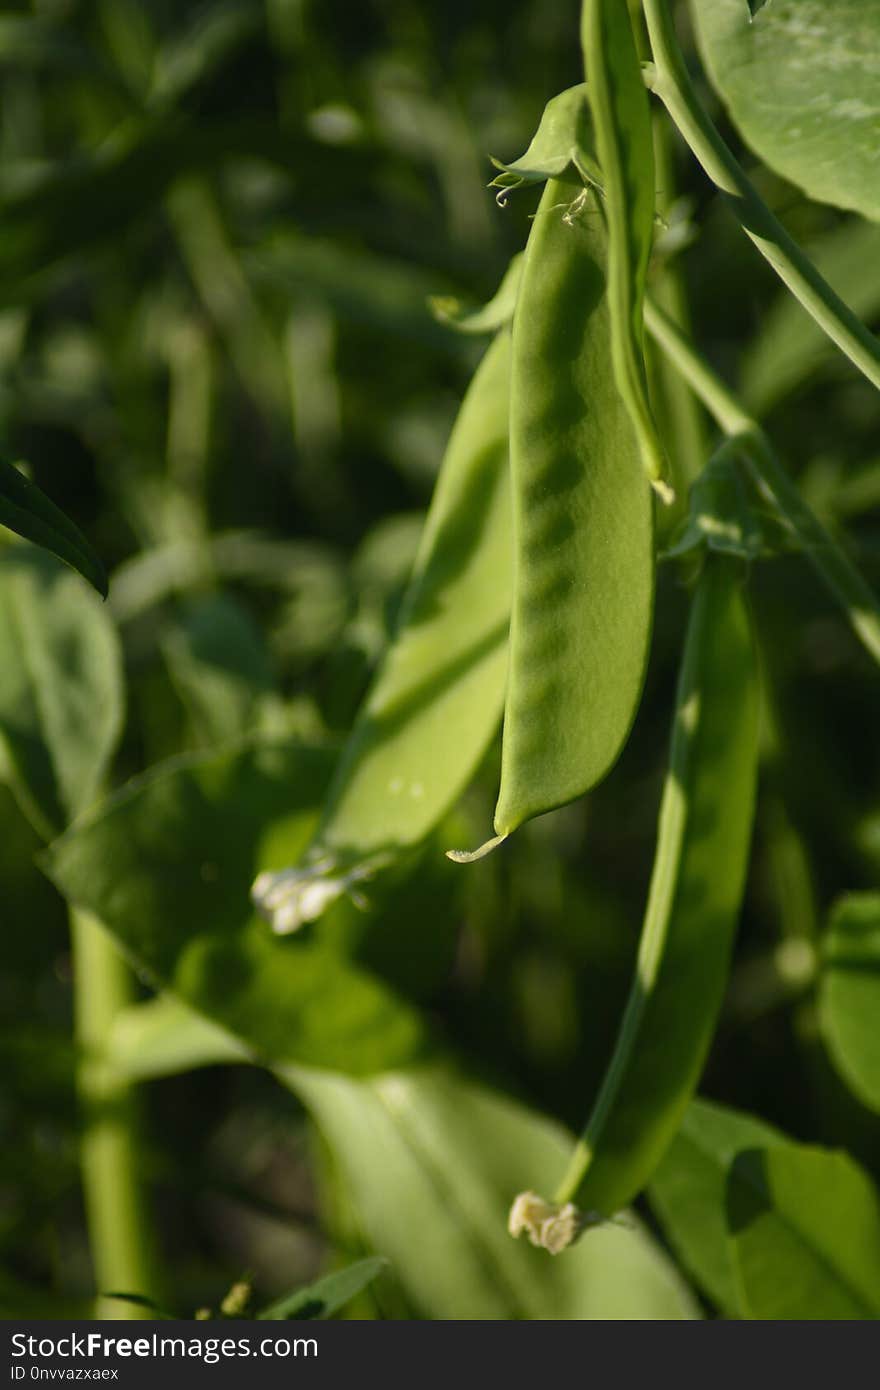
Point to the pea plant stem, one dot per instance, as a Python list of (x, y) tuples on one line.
[(672, 84), (771, 479), (118, 1228), (687, 421)]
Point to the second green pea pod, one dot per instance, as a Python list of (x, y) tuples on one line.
[(437, 697), (693, 904)]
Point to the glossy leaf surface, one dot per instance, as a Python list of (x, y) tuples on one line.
[(687, 1193), (430, 1164), (849, 993), (61, 699), (804, 1227), (167, 865), (799, 78)]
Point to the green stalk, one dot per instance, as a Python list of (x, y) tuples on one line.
[(828, 559), (671, 81), (686, 420), (118, 1225)]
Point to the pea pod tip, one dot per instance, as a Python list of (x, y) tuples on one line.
[(548, 1225), (663, 491), (554, 1226), (470, 856)]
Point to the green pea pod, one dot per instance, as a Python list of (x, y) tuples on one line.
[(693, 905), (437, 699), (624, 144), (583, 524)]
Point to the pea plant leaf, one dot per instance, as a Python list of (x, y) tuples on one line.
[(326, 1296), (563, 138), (61, 697), (166, 866), (802, 89), (849, 993), (430, 1164), (27, 511), (421, 1151), (804, 1228), (163, 1037), (687, 1193)]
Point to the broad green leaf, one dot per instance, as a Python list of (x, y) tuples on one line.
[(687, 1193), (849, 993), (61, 698), (167, 865), (393, 1138), (800, 80), (790, 346), (220, 666), (326, 1296), (30, 513), (804, 1229), (563, 138), (431, 1164), (163, 1037), (421, 1152)]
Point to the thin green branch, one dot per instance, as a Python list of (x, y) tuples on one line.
[(671, 82), (685, 415), (119, 1231), (828, 559)]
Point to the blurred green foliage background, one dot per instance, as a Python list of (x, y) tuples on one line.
[(219, 226)]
